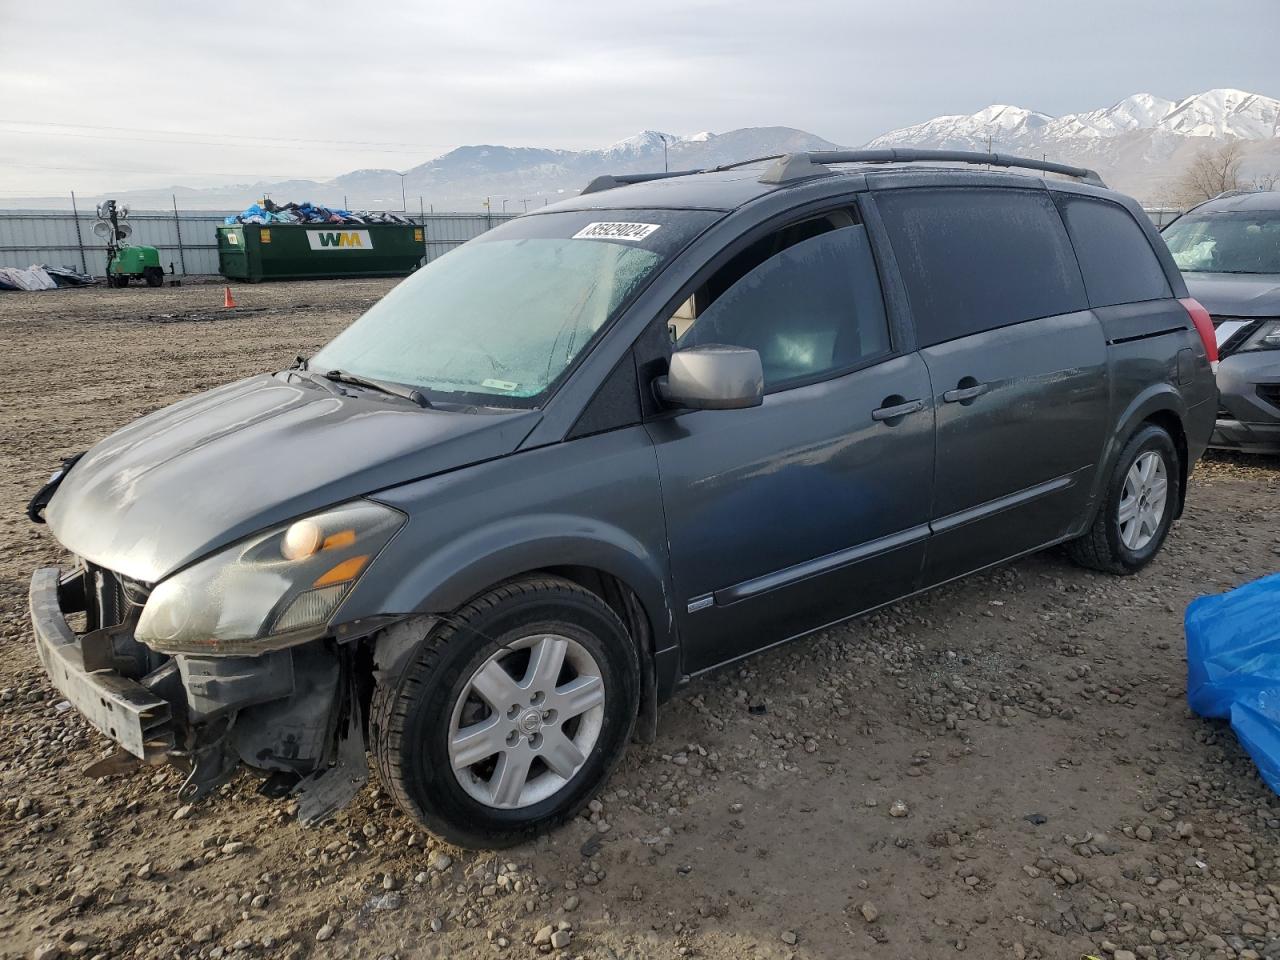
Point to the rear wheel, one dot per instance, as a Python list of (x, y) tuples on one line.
[(510, 715), (1141, 499), (154, 276)]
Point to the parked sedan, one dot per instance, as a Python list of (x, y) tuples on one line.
[(1229, 251)]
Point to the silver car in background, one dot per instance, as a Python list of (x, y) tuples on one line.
[(1229, 251)]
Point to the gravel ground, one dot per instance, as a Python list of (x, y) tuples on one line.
[(1006, 766)]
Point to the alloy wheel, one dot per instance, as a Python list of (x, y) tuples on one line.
[(526, 721), (1143, 500)]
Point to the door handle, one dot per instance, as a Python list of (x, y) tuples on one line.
[(897, 410), (961, 394)]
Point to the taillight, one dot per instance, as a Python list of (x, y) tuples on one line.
[(1204, 326)]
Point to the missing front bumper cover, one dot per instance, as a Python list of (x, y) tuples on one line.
[(122, 709), (291, 715)]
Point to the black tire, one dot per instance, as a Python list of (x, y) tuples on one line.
[(122, 279), (1101, 547), (154, 276), (410, 717)]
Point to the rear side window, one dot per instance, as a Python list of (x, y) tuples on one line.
[(1115, 256), (974, 259)]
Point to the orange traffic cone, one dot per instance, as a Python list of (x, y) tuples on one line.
[(228, 301)]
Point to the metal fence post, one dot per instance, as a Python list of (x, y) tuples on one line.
[(422, 216), (177, 222), (75, 216)]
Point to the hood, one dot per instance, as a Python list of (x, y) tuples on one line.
[(210, 470), (1236, 294)]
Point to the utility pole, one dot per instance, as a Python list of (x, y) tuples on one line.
[(404, 206), (665, 168)]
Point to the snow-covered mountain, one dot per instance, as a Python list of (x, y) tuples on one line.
[(465, 177), (1139, 144), (969, 131), (1224, 113), (1215, 113), (1138, 112)]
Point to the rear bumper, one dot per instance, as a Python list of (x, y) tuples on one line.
[(122, 709)]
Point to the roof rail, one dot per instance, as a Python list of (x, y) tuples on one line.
[(797, 166), (609, 181), (1236, 192)]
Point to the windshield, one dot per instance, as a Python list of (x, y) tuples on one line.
[(1240, 241), (502, 317)]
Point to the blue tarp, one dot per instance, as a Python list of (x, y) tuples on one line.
[(1233, 667)]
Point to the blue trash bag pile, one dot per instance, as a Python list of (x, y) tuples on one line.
[(269, 212), (1233, 667)]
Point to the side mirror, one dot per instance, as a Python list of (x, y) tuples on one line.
[(712, 376)]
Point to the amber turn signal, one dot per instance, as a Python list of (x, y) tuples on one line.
[(346, 570)]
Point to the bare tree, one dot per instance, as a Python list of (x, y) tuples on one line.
[(1213, 171), (1267, 181)]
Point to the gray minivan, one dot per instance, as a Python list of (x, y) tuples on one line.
[(609, 446)]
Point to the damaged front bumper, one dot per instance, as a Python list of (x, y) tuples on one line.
[(125, 710), (291, 715)]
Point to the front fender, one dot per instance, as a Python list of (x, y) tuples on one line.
[(593, 502)]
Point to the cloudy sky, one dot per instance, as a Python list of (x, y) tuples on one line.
[(104, 96)]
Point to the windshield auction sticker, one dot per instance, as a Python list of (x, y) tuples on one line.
[(616, 231)]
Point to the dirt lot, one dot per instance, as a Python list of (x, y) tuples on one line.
[(1005, 767)]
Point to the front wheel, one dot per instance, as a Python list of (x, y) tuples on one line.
[(1142, 496), (510, 715)]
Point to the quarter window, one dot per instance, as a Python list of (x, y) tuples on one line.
[(974, 259), (1115, 255), (807, 298)]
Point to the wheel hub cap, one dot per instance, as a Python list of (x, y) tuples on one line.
[(530, 722)]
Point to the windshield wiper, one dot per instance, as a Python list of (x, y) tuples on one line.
[(383, 386)]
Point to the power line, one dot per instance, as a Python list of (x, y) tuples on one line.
[(97, 168), (205, 133), (206, 143)]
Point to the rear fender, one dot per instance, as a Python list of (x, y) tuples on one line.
[(1159, 401)]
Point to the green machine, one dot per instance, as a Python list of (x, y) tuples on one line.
[(125, 262)]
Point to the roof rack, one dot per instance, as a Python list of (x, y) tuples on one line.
[(1237, 192), (789, 167), (609, 181), (797, 166)]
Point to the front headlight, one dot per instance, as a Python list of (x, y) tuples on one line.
[(274, 589), (1266, 337)]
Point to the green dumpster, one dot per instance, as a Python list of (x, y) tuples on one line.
[(256, 252)]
